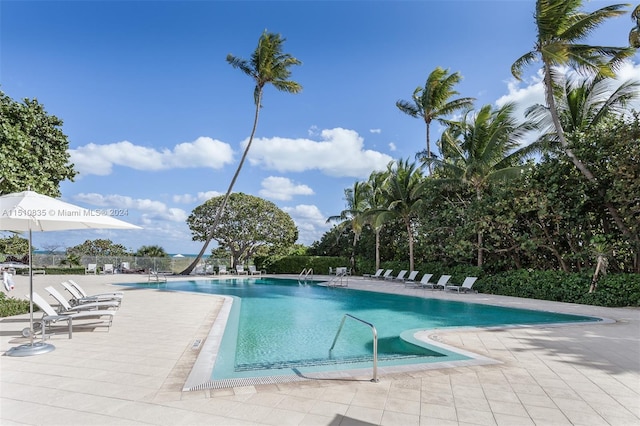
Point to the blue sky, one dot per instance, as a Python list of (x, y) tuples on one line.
[(157, 118)]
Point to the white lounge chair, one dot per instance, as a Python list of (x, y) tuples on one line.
[(400, 276), (51, 316), (424, 281), (386, 275), (464, 287), (254, 271), (108, 268), (222, 270), (376, 275), (77, 298), (411, 280), (442, 282), (240, 270), (65, 306), (101, 296), (92, 268)]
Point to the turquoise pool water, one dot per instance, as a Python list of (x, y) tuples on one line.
[(277, 326)]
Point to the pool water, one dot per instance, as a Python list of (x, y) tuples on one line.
[(280, 325)]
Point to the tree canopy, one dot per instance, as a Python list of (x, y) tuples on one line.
[(99, 247), (246, 224), (33, 149)]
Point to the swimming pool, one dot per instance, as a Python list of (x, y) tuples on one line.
[(282, 326)]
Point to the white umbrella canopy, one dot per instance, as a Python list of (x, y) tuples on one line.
[(30, 211)]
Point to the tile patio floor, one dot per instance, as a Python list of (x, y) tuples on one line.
[(585, 374)]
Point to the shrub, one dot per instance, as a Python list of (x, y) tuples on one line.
[(614, 290), (10, 306)]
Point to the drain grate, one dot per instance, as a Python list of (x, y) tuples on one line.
[(250, 381)]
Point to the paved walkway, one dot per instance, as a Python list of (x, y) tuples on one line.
[(133, 374)]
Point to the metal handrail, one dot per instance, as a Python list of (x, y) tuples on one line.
[(375, 342), (305, 272)]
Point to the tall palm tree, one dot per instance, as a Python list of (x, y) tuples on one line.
[(561, 27), (403, 191), (432, 102), (377, 201), (268, 65), (353, 216), (483, 148)]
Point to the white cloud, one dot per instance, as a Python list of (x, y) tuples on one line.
[(340, 153), (151, 209), (280, 188), (375, 131), (311, 223), (392, 146), (200, 197), (99, 159)]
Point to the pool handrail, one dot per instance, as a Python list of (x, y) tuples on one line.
[(375, 342)]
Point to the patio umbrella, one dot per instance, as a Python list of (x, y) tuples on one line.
[(29, 211)]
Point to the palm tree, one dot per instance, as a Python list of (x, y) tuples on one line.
[(561, 28), (483, 148), (354, 215), (431, 102), (377, 201), (583, 103), (403, 191), (268, 65), (634, 34)]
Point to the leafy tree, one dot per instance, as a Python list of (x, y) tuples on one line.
[(33, 150), (377, 202), (151, 251), (99, 247), (14, 244), (246, 224), (481, 149), (268, 65), (71, 260), (562, 27), (432, 102)]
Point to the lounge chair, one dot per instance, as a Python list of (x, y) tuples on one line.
[(464, 287), (424, 281), (50, 315), (100, 296), (77, 298), (240, 270), (65, 306), (108, 268), (412, 278), (254, 271), (442, 282), (376, 275), (386, 275), (92, 268), (400, 276), (222, 270)]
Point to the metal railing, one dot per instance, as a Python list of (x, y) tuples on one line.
[(305, 273), (375, 342)]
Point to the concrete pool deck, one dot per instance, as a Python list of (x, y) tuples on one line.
[(133, 374)]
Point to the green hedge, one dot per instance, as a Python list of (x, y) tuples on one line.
[(613, 290), (10, 306), (295, 264), (54, 271)]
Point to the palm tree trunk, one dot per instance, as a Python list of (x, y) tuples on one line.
[(428, 148), (377, 230), (216, 220), (410, 233)]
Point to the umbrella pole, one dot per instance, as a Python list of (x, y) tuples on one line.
[(31, 348)]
